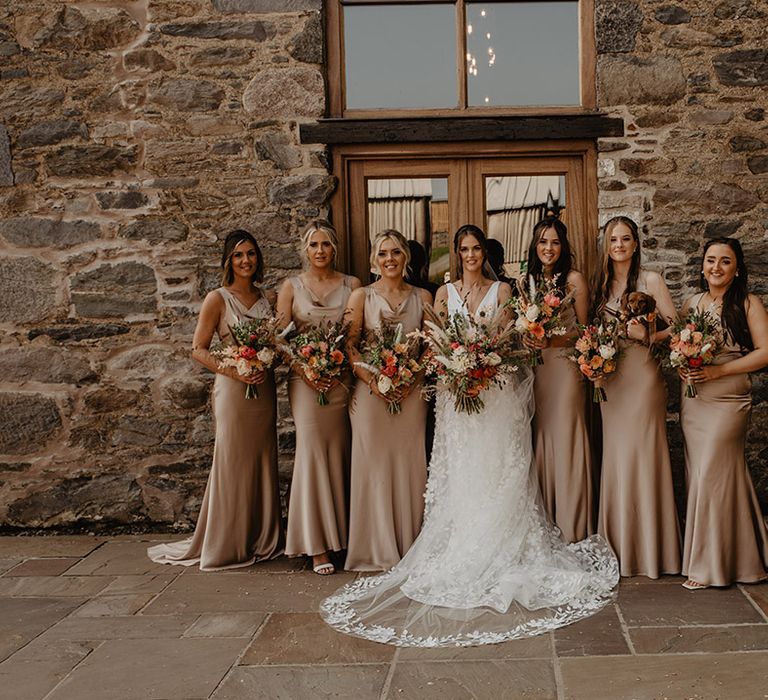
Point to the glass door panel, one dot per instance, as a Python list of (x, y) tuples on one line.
[(417, 208), (514, 205)]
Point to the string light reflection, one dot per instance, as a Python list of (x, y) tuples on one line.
[(472, 67)]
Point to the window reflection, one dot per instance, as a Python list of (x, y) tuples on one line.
[(418, 208), (522, 53), (400, 56), (514, 205)]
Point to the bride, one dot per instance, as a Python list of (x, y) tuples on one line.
[(488, 566)]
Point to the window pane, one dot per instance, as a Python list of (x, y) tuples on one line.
[(523, 53), (514, 205), (418, 208), (400, 56)]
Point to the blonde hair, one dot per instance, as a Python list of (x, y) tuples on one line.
[(327, 228), (389, 234)]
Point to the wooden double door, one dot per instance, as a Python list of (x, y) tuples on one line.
[(428, 192)]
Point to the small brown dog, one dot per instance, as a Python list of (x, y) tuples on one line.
[(641, 306)]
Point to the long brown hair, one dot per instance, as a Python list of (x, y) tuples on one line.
[(734, 315), (234, 239), (605, 274), (564, 263), (460, 235)]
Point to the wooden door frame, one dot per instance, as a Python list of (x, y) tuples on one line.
[(352, 163)]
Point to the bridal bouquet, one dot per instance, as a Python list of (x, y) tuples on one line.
[(467, 357), (538, 310), (694, 342), (596, 354), (318, 351), (255, 349), (391, 356)]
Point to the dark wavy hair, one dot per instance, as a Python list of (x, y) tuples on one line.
[(564, 263), (604, 276), (234, 239), (734, 314), (460, 235)]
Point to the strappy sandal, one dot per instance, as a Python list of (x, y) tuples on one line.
[(692, 585), (325, 569)]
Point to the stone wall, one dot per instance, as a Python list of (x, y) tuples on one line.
[(689, 80), (134, 133)]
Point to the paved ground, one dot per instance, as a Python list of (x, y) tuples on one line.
[(86, 618)]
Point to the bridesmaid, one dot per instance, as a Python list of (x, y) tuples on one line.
[(389, 467), (561, 437), (637, 512), (725, 535), (239, 521), (317, 514)]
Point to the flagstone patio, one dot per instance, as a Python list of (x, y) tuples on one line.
[(86, 618)]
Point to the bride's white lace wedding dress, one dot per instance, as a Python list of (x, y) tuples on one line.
[(488, 565)]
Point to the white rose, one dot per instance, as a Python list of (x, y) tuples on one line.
[(384, 383), (685, 335), (243, 367), (607, 352), (266, 355), (492, 359), (521, 324), (532, 312), (675, 357)]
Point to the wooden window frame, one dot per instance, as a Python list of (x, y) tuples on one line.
[(337, 81), (349, 212)]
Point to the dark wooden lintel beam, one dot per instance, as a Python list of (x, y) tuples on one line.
[(452, 129)]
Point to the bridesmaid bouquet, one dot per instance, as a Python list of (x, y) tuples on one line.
[(694, 342), (390, 355), (468, 357), (255, 349), (596, 354), (538, 310), (319, 352)]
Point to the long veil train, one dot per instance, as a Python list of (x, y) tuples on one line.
[(488, 565)]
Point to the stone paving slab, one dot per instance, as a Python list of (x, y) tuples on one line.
[(23, 619), (6, 564), (758, 594), (479, 680), (52, 586), (113, 605), (118, 559), (660, 604), (242, 592), (226, 625), (150, 669), (38, 668), (672, 640), (127, 627), (152, 583), (304, 639), (674, 676), (26, 547), (364, 682), (600, 635), (42, 567)]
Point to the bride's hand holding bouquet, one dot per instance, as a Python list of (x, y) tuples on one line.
[(538, 309), (466, 357)]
